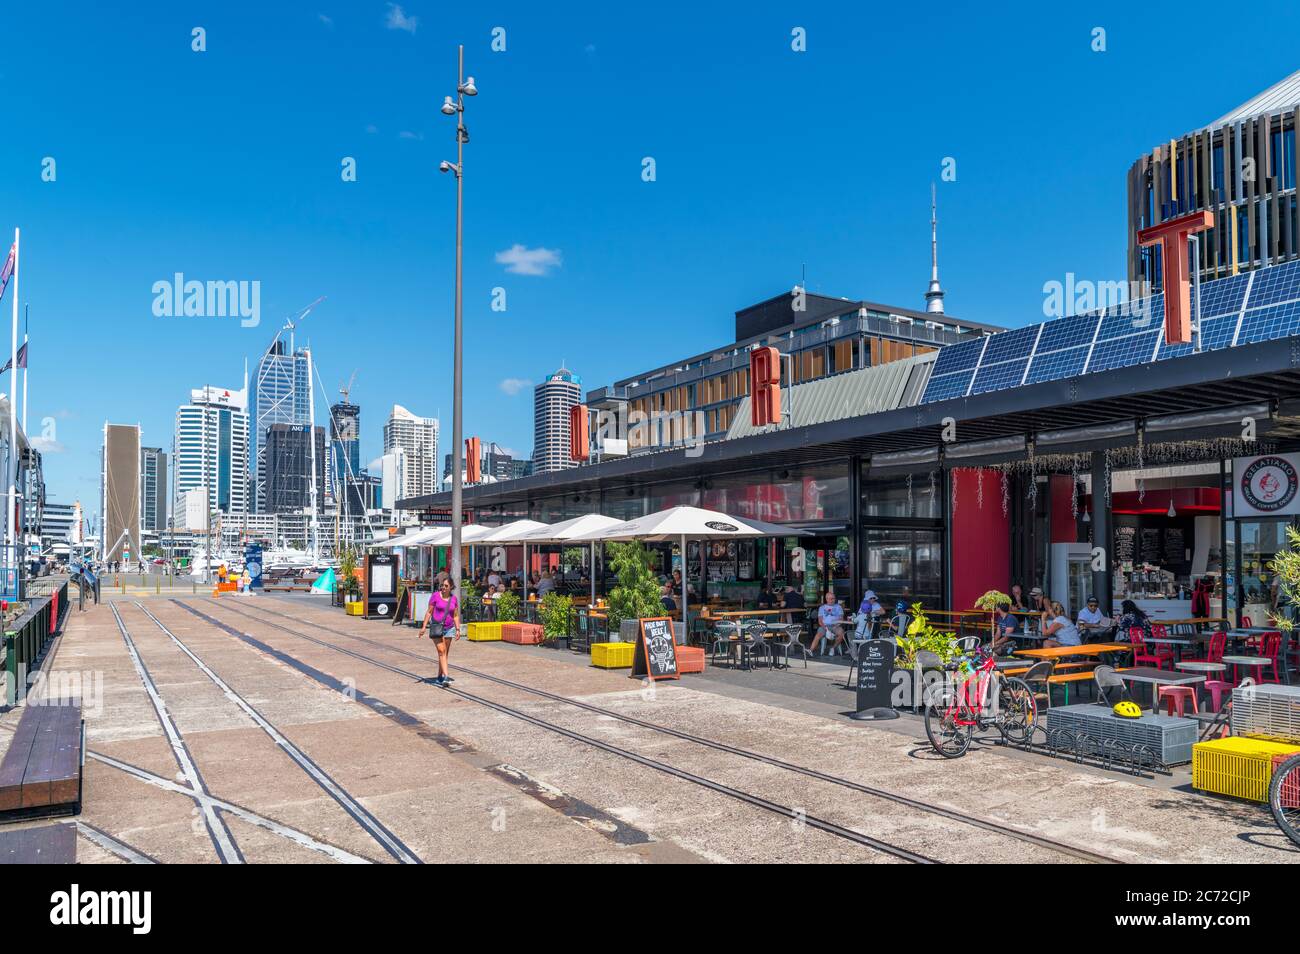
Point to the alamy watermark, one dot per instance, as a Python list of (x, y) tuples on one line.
[(180, 298), (1075, 296)]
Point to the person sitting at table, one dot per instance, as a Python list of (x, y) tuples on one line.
[(766, 598), (1018, 604), (545, 585), (868, 611), (1058, 629), (1091, 619), (666, 598), (791, 598), (830, 617), (1132, 617), (1004, 628)]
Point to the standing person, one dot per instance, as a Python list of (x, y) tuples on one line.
[(442, 620)]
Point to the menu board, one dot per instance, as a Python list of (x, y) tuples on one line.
[(1150, 545), (875, 668), (1175, 547), (656, 651), (1125, 538)]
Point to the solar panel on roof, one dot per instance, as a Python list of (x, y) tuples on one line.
[(1057, 364), (1134, 321), (1222, 297), (958, 357), (1010, 345), (1268, 324), (1275, 284), (1067, 332), (944, 386), (997, 377), (1123, 352)]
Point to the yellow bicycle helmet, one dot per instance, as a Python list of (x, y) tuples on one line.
[(1127, 710)]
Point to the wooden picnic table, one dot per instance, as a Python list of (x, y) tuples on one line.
[(1087, 649)]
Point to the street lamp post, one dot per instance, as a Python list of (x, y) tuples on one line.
[(464, 87)]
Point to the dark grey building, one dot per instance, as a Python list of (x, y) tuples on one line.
[(153, 489), (289, 468)]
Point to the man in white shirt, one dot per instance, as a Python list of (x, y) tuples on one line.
[(545, 585), (1091, 619)]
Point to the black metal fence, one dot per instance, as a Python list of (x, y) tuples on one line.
[(28, 637)]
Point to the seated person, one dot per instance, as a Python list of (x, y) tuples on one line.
[(1004, 628), (1091, 620), (1058, 629), (901, 619), (791, 598), (868, 611), (1131, 617), (766, 598), (830, 619), (666, 598)]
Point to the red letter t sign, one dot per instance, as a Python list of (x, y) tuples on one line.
[(1172, 237)]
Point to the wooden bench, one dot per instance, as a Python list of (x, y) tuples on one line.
[(286, 587), (40, 774)]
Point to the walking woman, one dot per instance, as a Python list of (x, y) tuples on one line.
[(442, 620)]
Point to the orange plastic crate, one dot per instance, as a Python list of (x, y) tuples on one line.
[(690, 659), (525, 634)]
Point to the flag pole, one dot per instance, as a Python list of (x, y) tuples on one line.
[(11, 517), (25, 310)]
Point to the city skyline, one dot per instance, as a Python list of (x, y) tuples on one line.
[(276, 211)]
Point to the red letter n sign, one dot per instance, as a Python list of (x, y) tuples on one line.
[(579, 433), (765, 387)]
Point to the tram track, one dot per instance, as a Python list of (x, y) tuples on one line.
[(950, 814), (757, 801)]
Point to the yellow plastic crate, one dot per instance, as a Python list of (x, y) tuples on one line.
[(1237, 766), (612, 655), (355, 609), (484, 632)]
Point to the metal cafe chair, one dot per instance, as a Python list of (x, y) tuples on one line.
[(792, 639), (754, 641), (723, 632)]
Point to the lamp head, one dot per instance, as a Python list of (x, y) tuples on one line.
[(444, 166), (469, 89), (448, 107)]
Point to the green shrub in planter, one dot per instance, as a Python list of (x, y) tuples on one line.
[(554, 613), (508, 608)]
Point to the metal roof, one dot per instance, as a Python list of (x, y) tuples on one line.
[(884, 387), (1282, 95)]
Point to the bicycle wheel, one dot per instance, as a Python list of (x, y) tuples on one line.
[(1284, 797), (1017, 715), (949, 739)]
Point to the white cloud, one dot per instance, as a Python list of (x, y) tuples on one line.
[(47, 445), (376, 465), (372, 128), (529, 261), (398, 20), (513, 386), (407, 134), (327, 21)]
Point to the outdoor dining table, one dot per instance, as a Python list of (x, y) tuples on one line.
[(1258, 662), (1157, 678), (1086, 649), (1178, 644)]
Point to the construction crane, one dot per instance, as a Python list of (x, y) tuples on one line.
[(346, 390), (294, 320)]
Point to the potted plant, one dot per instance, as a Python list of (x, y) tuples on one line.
[(637, 594), (508, 607), (554, 613), (922, 636)]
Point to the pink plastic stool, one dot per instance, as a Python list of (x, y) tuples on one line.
[(1218, 690), (1177, 696)]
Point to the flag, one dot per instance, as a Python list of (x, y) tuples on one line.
[(7, 272), (22, 359)]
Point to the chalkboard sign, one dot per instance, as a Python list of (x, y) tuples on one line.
[(875, 669), (656, 651), (1124, 544), (1175, 547), (1150, 547)]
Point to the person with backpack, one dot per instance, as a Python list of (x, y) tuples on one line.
[(442, 620)]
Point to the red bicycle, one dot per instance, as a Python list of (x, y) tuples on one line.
[(974, 695)]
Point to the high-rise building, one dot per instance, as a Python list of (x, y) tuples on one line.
[(417, 437), (392, 478), (345, 457), (119, 492), (551, 402), (289, 468), (1242, 168), (496, 463), (56, 523), (210, 449), (153, 489), (281, 394)]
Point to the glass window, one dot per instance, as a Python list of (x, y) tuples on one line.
[(899, 497)]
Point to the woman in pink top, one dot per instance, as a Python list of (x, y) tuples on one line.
[(442, 620)]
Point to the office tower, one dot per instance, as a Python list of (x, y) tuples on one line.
[(551, 402), (211, 449), (290, 468), (153, 489), (417, 437), (281, 392)]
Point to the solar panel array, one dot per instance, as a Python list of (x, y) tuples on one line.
[(1262, 305)]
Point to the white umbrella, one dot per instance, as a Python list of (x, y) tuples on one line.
[(574, 529), (516, 532), (682, 522), (412, 539)]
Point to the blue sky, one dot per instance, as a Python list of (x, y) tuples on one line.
[(225, 165)]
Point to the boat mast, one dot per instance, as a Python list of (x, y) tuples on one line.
[(311, 450)]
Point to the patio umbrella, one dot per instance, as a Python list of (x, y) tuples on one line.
[(573, 530), (681, 523), (516, 532)]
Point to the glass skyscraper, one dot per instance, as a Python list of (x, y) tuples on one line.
[(280, 395)]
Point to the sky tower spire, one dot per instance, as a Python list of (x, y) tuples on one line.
[(934, 294)]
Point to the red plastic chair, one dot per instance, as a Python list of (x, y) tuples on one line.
[(1178, 696), (1219, 690), (1218, 646), (1165, 652), (1140, 654), (1272, 650)]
